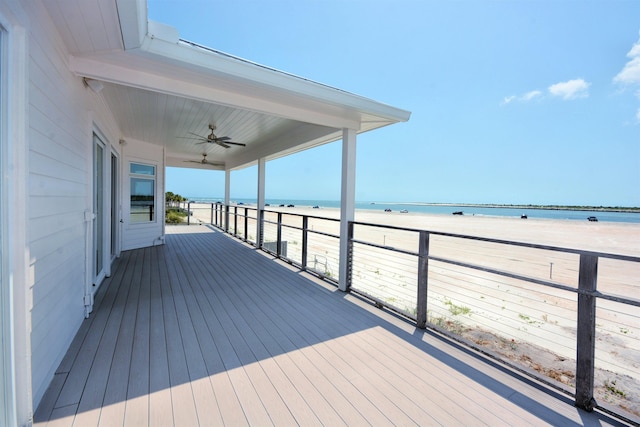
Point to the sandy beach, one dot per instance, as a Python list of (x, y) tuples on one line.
[(611, 237), (532, 325)]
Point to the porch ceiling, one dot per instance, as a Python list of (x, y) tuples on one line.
[(162, 89)]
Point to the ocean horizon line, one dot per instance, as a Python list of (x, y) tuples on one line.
[(314, 202), (576, 213)]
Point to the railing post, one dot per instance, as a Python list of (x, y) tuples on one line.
[(211, 213), (246, 223), (189, 213), (349, 269), (585, 359), (423, 279), (260, 236), (279, 235), (305, 226), (226, 218)]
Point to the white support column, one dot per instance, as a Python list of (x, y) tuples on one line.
[(227, 186), (261, 193), (347, 201), (227, 197)]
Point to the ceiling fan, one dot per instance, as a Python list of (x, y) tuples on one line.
[(222, 141), (204, 161)]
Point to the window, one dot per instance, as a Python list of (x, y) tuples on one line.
[(143, 185)]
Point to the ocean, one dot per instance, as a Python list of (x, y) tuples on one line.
[(562, 214)]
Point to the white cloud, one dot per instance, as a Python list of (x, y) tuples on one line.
[(572, 89), (508, 99), (524, 98), (531, 95), (630, 74)]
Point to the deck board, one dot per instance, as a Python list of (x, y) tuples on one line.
[(209, 331), (160, 407)]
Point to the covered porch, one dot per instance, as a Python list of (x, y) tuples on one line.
[(205, 330)]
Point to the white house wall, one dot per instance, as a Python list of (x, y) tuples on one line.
[(62, 114)]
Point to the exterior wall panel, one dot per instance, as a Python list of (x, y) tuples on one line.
[(62, 114)]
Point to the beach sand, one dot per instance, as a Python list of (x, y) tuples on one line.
[(529, 324)]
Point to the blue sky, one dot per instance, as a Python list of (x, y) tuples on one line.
[(512, 101)]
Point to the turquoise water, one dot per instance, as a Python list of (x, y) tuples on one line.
[(577, 215)]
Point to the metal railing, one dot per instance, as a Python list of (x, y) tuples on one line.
[(536, 305), (561, 315)]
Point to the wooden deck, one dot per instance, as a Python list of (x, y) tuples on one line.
[(207, 331)]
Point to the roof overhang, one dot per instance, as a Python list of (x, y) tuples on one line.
[(176, 88)]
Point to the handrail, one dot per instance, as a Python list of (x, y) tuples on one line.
[(619, 257), (630, 301)]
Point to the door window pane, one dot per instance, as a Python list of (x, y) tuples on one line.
[(143, 183)]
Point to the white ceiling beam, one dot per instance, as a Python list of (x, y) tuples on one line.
[(98, 68)]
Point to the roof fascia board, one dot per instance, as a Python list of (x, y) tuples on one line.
[(133, 22), (207, 60), (100, 70)]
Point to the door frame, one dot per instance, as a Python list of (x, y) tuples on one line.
[(99, 223), (94, 278), (115, 208)]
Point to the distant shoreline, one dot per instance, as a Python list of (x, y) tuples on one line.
[(541, 207), (621, 209)]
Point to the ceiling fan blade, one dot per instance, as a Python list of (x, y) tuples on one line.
[(215, 164), (222, 144), (236, 143), (188, 137), (223, 138)]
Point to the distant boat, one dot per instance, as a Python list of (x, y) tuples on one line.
[(592, 219), (404, 211), (457, 213)]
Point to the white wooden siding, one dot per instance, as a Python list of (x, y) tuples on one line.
[(61, 115)]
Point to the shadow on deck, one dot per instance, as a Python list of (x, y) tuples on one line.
[(208, 331)]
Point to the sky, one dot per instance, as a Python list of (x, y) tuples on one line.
[(514, 102)]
